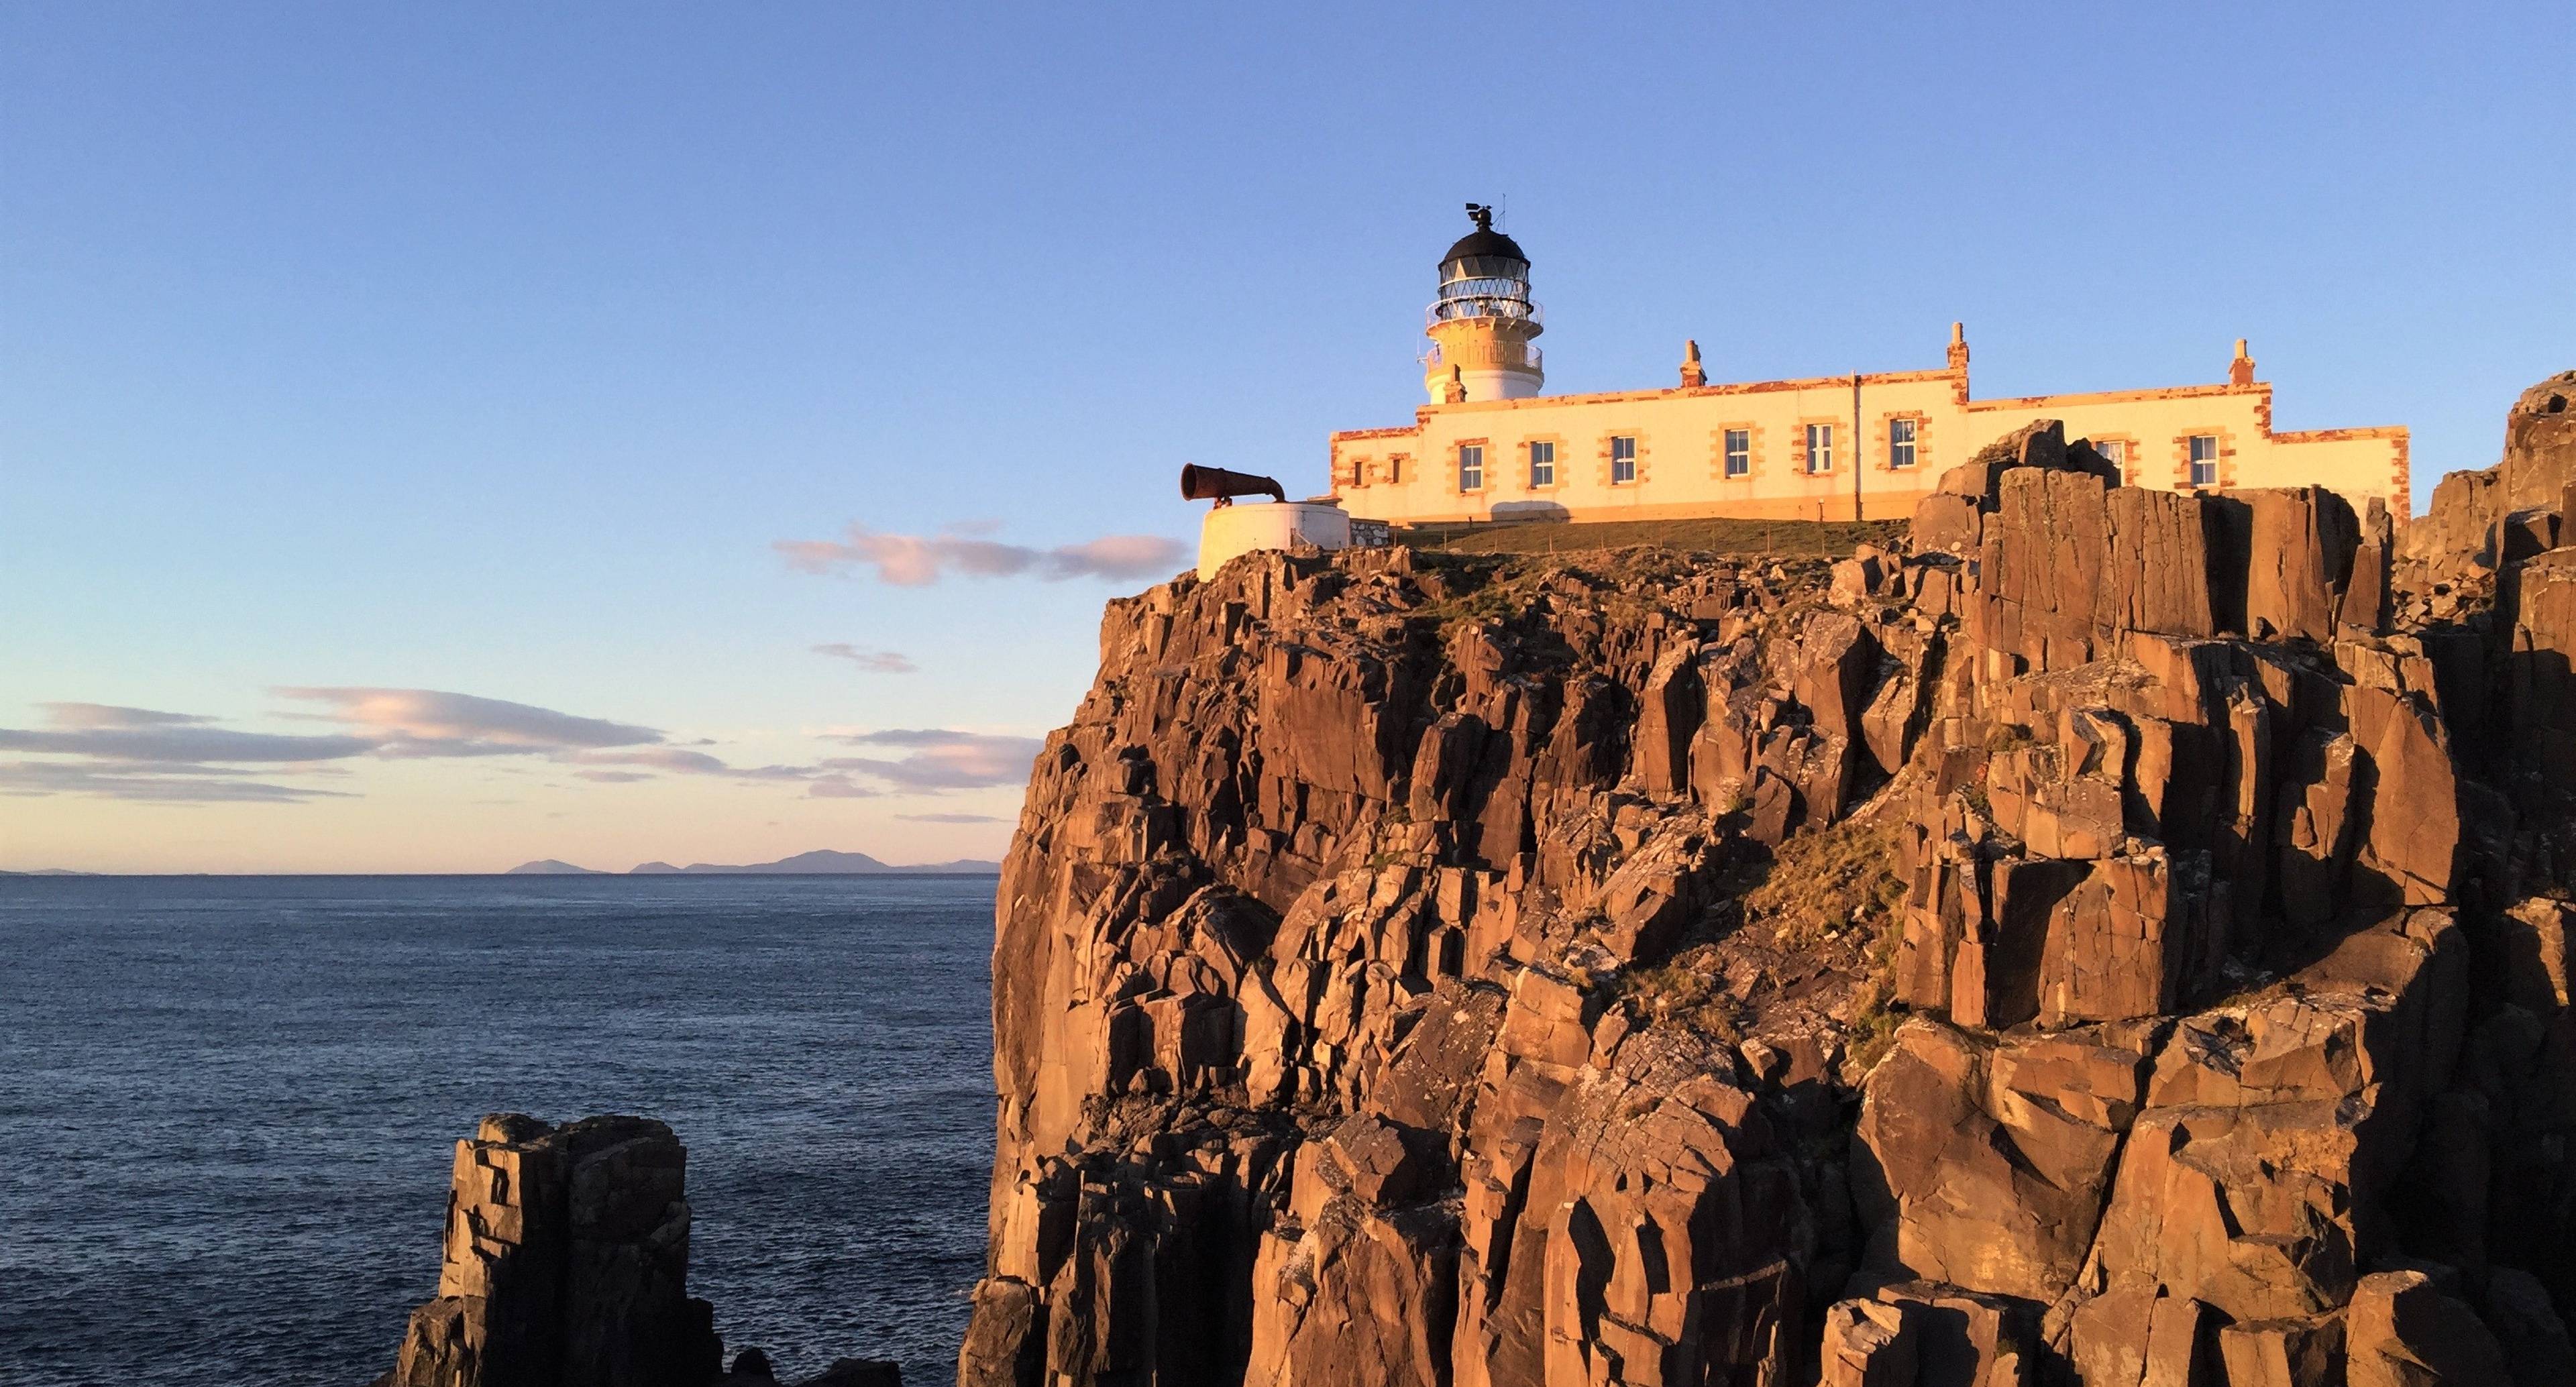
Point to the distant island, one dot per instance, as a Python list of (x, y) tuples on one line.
[(820, 863)]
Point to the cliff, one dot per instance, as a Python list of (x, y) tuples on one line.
[(2119, 939)]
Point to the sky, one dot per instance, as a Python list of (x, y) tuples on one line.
[(437, 437)]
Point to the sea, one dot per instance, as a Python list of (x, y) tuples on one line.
[(228, 1104)]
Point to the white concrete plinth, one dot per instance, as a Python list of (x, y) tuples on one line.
[(1239, 529)]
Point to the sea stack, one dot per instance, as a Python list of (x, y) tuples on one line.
[(566, 1261)]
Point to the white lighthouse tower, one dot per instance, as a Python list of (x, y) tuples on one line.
[(1481, 325)]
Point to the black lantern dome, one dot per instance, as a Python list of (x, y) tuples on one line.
[(1485, 275)]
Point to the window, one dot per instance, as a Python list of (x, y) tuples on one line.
[(1900, 443), (1623, 461), (2204, 459), (1739, 452), (1395, 469), (1471, 468), (1820, 447), (1542, 464), (2114, 451)]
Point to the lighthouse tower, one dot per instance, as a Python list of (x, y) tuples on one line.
[(1481, 325)]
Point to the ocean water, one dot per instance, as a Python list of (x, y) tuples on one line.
[(228, 1105)]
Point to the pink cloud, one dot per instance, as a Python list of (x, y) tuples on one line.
[(914, 561)]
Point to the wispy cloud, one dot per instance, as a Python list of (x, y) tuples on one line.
[(872, 661), (431, 722), (681, 761), (921, 560), (1123, 557), (111, 715), (142, 754), (951, 818), (150, 783), (140, 735), (145, 754), (938, 759)]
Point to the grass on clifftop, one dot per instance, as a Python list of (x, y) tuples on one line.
[(1800, 538)]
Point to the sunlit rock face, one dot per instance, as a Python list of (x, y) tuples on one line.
[(2115, 938)]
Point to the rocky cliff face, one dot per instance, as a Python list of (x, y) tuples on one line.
[(2120, 940)]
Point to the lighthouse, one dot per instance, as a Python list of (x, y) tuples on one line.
[(1482, 324)]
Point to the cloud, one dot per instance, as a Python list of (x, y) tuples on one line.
[(150, 783), (1123, 557), (680, 761), (179, 743), (873, 661), (937, 759), (141, 754), (951, 818), (110, 715), (429, 722), (914, 561), (660, 758)]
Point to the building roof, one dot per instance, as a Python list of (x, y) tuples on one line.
[(1485, 241)]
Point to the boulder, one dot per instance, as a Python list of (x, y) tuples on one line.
[(2038, 444), (1381, 1162), (1983, 1165)]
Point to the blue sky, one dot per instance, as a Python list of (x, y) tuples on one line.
[(469, 352)]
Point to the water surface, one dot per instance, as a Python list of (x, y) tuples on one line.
[(228, 1104)]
